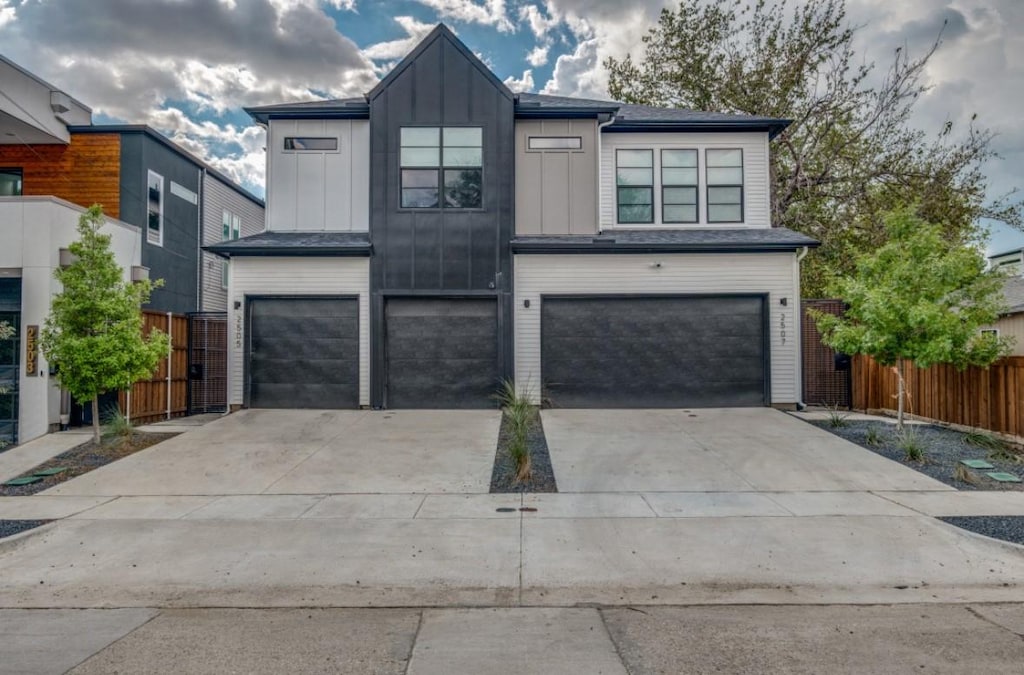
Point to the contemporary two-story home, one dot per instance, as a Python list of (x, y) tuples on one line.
[(162, 205), (442, 233)]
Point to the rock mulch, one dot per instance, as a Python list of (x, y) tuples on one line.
[(82, 459), (1007, 528), (12, 527), (943, 450), (503, 477)]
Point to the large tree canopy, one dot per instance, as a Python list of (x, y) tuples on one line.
[(851, 153)]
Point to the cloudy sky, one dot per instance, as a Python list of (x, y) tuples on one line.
[(186, 67)]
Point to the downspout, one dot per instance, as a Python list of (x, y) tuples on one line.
[(600, 125), (800, 405)]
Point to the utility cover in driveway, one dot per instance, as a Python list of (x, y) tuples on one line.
[(441, 353), (304, 353), (654, 352)]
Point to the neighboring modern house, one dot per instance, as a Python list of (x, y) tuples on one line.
[(1011, 262), (1011, 323), (442, 234), (53, 163)]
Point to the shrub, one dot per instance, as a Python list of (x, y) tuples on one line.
[(911, 444), (519, 416), (837, 418)]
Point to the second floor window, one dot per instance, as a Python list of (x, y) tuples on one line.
[(441, 167), (634, 181), (232, 229), (679, 186), (725, 185), (155, 208)]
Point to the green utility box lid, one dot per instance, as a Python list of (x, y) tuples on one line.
[(51, 472), (976, 463), (28, 480), (1003, 477)]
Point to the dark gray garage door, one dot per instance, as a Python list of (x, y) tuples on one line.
[(653, 352), (304, 353), (441, 353)]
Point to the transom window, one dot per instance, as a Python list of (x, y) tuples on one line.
[(311, 143), (679, 183), (155, 208), (634, 180), (555, 143), (441, 167), (725, 185), (10, 182)]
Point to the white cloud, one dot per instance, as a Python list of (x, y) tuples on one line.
[(539, 24), (538, 56), (7, 12), (524, 83), (486, 12), (577, 74), (397, 49)]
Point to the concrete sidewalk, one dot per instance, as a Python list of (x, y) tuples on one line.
[(22, 458), (979, 639)]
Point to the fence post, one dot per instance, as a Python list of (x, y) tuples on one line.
[(170, 360)]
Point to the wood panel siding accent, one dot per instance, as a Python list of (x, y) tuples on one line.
[(85, 172), (643, 274), (988, 398)]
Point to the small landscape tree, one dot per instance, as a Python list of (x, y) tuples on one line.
[(93, 334), (919, 299)]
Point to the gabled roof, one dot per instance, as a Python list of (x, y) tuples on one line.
[(440, 32), (627, 116), (1013, 294)]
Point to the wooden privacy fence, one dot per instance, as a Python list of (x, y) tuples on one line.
[(987, 398), (165, 395)]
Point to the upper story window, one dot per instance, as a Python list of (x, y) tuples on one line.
[(554, 143), (10, 182), (634, 180), (441, 167), (679, 186), (725, 185), (311, 143), (155, 208), (232, 229)]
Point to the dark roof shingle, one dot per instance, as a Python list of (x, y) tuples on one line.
[(295, 243), (681, 240)]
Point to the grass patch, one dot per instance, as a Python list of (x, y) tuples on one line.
[(873, 437), (520, 414), (837, 417), (911, 444), (964, 475)]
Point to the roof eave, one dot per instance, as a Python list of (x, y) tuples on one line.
[(562, 112), (349, 113), (564, 247), (290, 251), (773, 127)]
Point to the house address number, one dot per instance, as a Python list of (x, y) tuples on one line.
[(238, 330), (31, 350), (782, 327)]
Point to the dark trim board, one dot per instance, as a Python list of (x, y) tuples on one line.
[(247, 342), (614, 386)]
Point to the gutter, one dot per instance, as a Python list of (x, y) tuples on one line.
[(800, 404)]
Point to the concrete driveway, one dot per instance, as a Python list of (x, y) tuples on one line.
[(713, 451), (310, 452)]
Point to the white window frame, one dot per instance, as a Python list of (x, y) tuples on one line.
[(159, 240), (233, 223)]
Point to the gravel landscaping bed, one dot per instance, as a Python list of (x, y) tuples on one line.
[(943, 450), (82, 459), (9, 527), (503, 476), (1007, 528)]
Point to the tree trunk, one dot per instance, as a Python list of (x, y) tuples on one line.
[(96, 419), (901, 393)]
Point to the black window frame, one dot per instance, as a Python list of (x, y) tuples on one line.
[(619, 188), (708, 186), (695, 185), (440, 170), (20, 171)]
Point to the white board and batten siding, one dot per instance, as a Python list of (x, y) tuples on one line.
[(771, 273), (313, 191), (220, 197), (257, 276), (756, 211)]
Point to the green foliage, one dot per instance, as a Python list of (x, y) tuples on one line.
[(851, 152), (919, 298), (873, 437), (94, 331), (909, 441), (117, 424), (982, 439), (837, 417), (519, 417)]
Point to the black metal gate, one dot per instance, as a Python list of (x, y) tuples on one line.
[(827, 379), (207, 362)]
